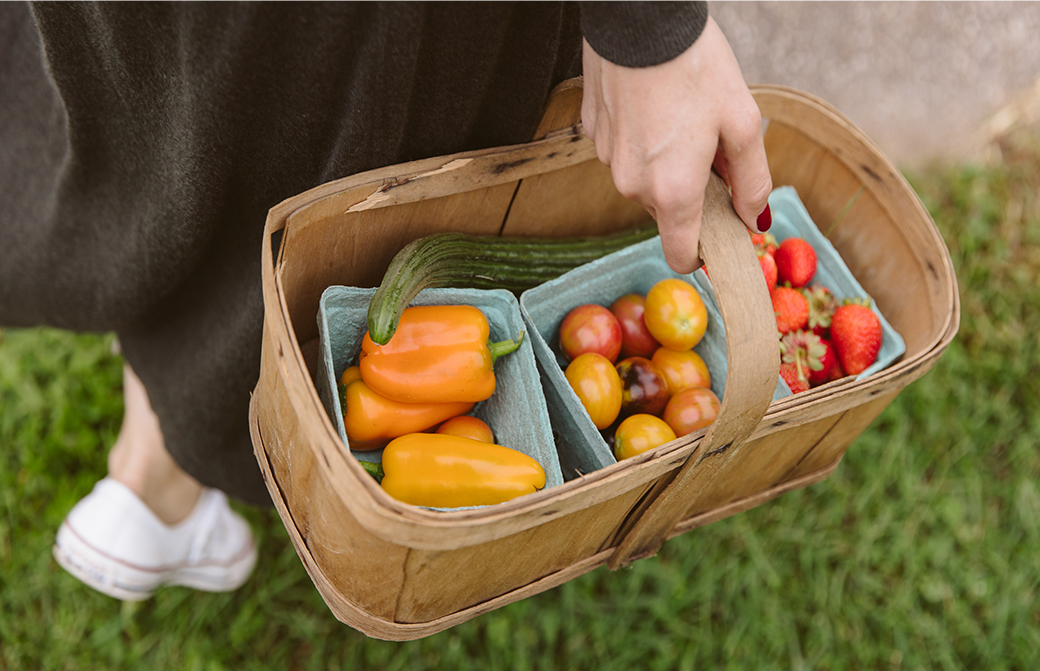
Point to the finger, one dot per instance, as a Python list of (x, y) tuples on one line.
[(679, 209), (721, 166), (680, 235), (747, 170)]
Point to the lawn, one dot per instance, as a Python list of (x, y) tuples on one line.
[(921, 551)]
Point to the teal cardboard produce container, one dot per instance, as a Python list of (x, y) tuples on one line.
[(632, 270), (516, 412), (635, 270)]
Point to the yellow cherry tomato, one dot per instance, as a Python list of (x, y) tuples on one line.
[(675, 314), (639, 433), (594, 379), (681, 369), (468, 426)]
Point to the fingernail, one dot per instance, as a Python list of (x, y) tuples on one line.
[(765, 220)]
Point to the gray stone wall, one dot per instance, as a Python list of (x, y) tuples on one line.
[(922, 79)]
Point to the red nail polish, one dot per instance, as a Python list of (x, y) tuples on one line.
[(765, 220)]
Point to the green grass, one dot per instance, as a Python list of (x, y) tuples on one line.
[(921, 551)]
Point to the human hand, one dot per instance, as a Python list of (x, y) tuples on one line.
[(662, 128)]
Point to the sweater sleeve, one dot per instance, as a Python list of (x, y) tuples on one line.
[(641, 34)]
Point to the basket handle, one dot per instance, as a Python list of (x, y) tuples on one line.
[(753, 364), (753, 349)]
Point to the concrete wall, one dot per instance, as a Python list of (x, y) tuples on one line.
[(922, 79)]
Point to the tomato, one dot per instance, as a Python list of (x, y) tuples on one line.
[(640, 433), (590, 328), (681, 369), (644, 388), (468, 426), (691, 409), (635, 337), (675, 314), (593, 378)]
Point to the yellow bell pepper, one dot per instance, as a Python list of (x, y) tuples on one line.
[(445, 471), (439, 353)]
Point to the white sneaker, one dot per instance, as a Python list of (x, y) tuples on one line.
[(114, 543)]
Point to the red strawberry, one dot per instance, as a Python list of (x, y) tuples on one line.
[(764, 243), (791, 308), (795, 262), (822, 305), (789, 372), (856, 333), (804, 351), (768, 270), (830, 367)]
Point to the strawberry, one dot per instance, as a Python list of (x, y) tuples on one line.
[(822, 305), (856, 333), (789, 372), (768, 270), (764, 243), (795, 262), (791, 308), (803, 350), (830, 367)]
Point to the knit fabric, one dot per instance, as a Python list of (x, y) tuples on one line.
[(641, 34)]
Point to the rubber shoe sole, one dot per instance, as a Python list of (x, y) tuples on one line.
[(127, 582)]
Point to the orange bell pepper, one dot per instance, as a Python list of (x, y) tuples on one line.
[(444, 471), (372, 420), (439, 353)]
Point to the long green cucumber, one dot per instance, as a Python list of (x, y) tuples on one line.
[(483, 262)]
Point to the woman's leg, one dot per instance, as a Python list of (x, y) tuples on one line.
[(140, 461), (149, 523)]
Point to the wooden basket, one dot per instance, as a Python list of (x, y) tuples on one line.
[(399, 572)]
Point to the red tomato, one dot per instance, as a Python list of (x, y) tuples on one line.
[(635, 337), (681, 369), (593, 378), (590, 328), (691, 409), (644, 389), (675, 314), (640, 433), (468, 426)]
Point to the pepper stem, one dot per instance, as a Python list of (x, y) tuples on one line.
[(500, 349), (375, 469)]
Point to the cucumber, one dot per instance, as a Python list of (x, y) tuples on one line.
[(483, 262)]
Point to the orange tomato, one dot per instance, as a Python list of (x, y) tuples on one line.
[(691, 409), (468, 426), (596, 382), (675, 314), (681, 369), (590, 328), (640, 433)]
